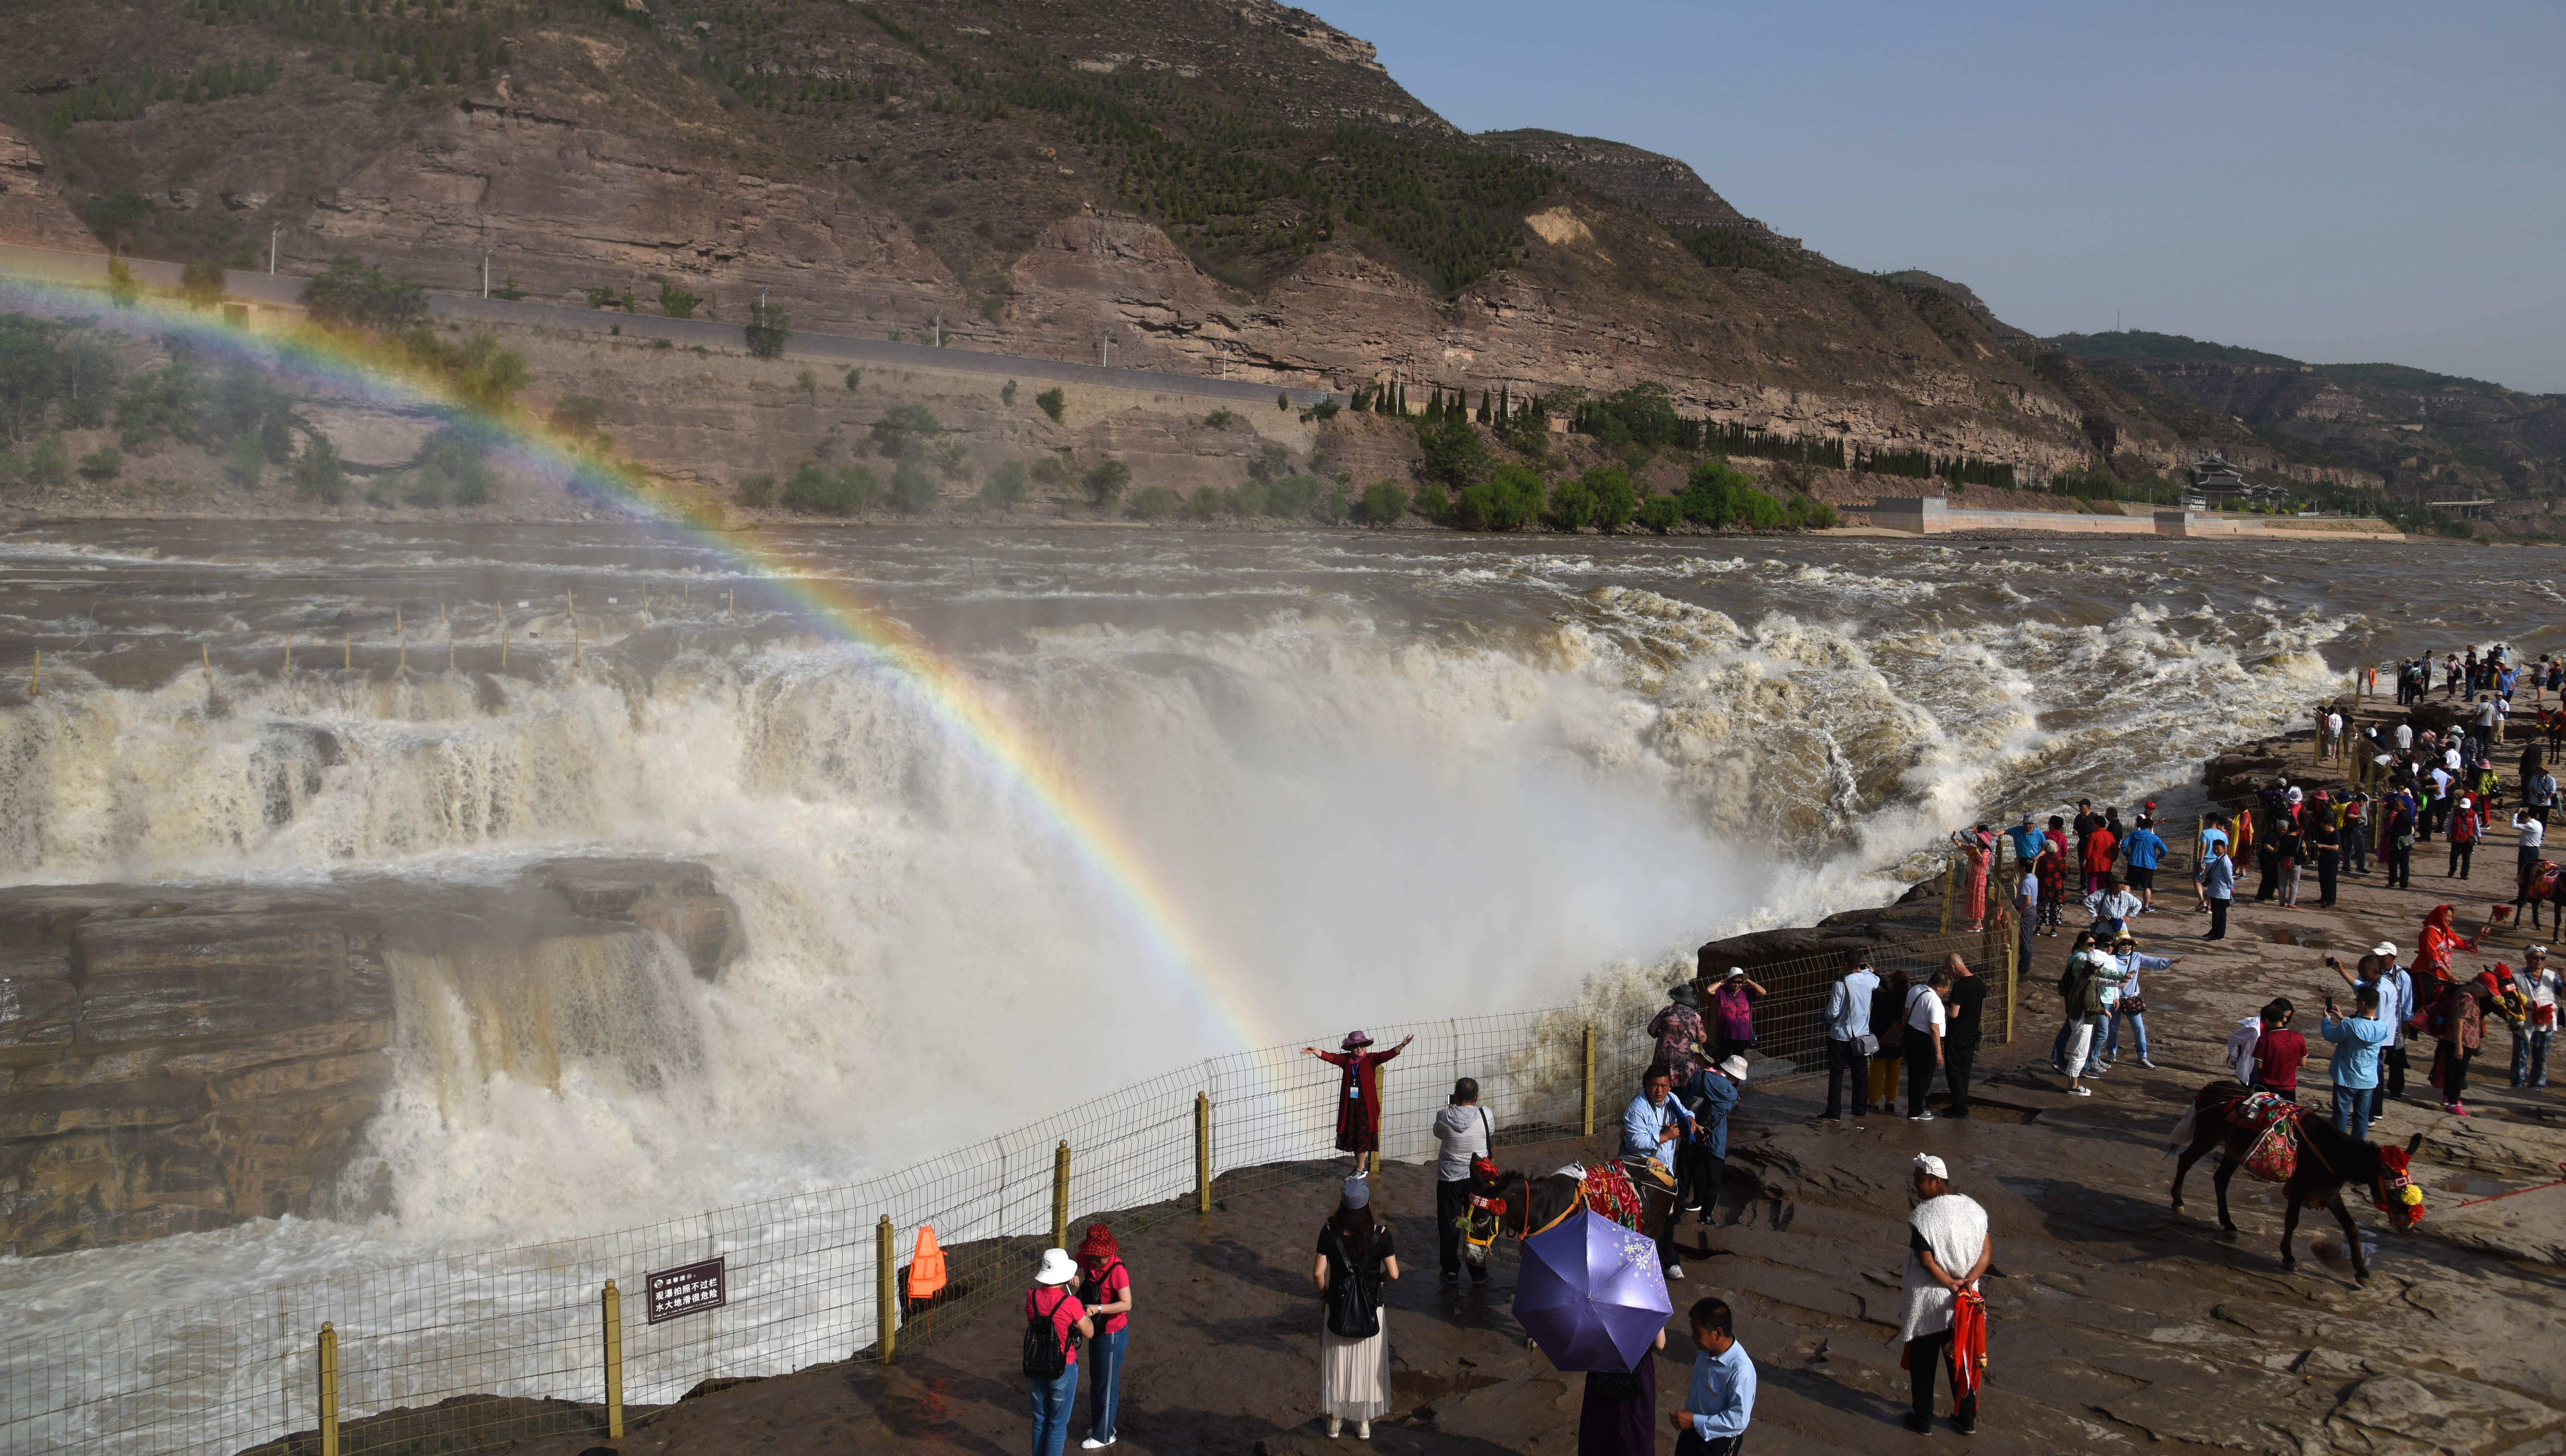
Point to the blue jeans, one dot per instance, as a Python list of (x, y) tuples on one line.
[(1104, 1382), (1053, 1401), (2352, 1111), (2531, 1058), (2138, 1026)]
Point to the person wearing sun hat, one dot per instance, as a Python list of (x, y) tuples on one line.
[(1053, 1311), (1357, 1093), (1105, 1288)]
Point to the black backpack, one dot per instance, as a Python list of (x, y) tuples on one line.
[(1353, 1294), (1046, 1348)]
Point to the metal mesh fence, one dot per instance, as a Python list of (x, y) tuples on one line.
[(469, 1353)]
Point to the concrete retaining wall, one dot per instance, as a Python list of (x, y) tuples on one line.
[(1935, 516)]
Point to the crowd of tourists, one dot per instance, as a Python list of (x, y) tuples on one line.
[(2415, 783)]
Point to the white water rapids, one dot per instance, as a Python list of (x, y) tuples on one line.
[(1388, 777)]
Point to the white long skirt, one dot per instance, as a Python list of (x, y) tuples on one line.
[(1354, 1374)]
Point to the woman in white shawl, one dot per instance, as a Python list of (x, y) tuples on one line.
[(1948, 1250)]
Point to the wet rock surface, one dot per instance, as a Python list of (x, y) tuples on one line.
[(179, 1058)]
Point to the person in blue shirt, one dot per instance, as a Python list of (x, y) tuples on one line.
[(1708, 1098), (2146, 852), (2217, 879), (2029, 840), (1651, 1128), (1722, 1398), (1848, 1022), (2354, 1067)]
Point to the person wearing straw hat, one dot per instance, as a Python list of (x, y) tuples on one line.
[(1355, 1257), (1357, 1093), (1054, 1323), (1944, 1319), (1105, 1288)]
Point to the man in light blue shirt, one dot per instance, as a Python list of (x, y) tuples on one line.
[(2357, 1039), (1848, 1022), (1650, 1128), (1723, 1400), (2027, 840)]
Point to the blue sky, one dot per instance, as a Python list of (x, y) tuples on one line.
[(2336, 182)]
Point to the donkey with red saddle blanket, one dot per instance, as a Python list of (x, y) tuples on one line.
[(2312, 1161)]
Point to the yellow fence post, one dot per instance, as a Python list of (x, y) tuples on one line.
[(1203, 1152), (36, 678), (1060, 1196), (2013, 978), (346, 651), (208, 654), (885, 1291), (329, 1391), (1951, 886), (614, 1309), (1585, 1086)]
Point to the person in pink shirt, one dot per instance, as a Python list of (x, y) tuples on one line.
[(1052, 1314), (1105, 1288)]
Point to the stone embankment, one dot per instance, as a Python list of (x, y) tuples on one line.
[(176, 1057)]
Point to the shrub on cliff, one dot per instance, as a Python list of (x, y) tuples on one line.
[(1155, 503), (756, 491), (1508, 500), (1456, 457), (1105, 481), (1382, 503), (906, 431), (1005, 485), (1602, 497), (356, 293), (1659, 513), (817, 491), (675, 302), (1713, 494), (1051, 401), (768, 327), (912, 490), (317, 474), (49, 461)]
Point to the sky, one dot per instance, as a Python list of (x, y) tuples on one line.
[(2346, 182)]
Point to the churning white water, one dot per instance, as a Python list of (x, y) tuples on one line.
[(1381, 778)]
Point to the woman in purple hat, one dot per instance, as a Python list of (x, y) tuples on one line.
[(1358, 1093)]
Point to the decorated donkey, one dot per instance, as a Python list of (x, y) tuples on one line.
[(2281, 1142)]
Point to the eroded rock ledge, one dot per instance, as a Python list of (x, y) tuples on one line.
[(175, 1059)]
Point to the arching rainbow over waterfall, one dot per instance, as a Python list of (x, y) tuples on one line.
[(381, 371)]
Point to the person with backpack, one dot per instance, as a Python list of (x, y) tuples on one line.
[(1355, 1256), (1105, 1288), (1054, 1321), (1463, 1133), (2458, 1022)]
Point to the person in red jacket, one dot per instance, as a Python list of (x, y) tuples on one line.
[(2278, 1053), (1358, 1093), (2101, 848)]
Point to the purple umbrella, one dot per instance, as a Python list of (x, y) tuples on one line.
[(1591, 1294)]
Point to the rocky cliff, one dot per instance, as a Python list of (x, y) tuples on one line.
[(180, 1058)]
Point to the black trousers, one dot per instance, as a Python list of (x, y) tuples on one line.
[(2461, 852), (2455, 1074), (1920, 1071), (1845, 1058), (2401, 866), (2357, 845), (2391, 1080), (1452, 1200), (1927, 1354), (1690, 1443), (1956, 1057), (2267, 863), (2218, 919), (1703, 1172)]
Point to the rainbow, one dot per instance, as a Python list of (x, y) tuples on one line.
[(328, 359)]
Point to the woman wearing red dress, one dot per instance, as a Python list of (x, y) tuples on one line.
[(1358, 1093)]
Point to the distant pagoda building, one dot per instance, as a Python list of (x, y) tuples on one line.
[(2220, 485)]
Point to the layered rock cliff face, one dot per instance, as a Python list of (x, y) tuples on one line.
[(177, 1059), (848, 172), (32, 210)]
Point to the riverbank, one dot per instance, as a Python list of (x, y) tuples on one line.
[(2114, 1321)]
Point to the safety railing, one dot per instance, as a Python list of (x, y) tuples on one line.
[(472, 1351)]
